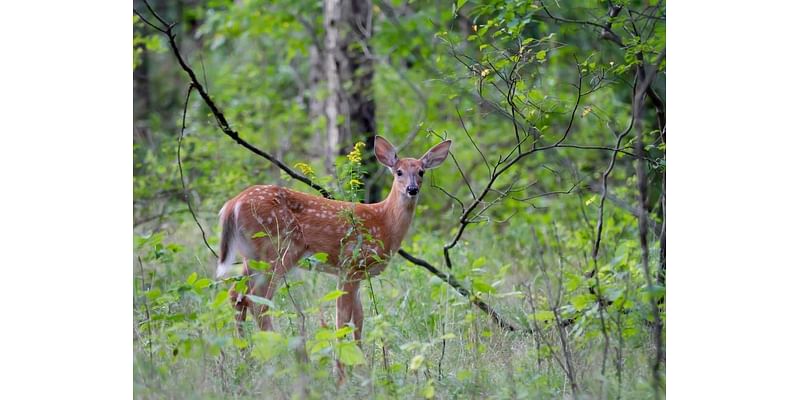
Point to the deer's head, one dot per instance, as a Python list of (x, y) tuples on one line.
[(408, 172)]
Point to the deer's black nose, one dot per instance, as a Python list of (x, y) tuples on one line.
[(412, 190)]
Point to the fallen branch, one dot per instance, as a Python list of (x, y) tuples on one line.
[(497, 318)]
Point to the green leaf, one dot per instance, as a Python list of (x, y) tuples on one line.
[(481, 286), (220, 298), (261, 300), (459, 4), (333, 295), (193, 277), (343, 331), (319, 346), (202, 283), (175, 248), (582, 300), (268, 345), (258, 265), (325, 334), (429, 391), (541, 55), (240, 286), (572, 281), (239, 343), (320, 257), (259, 234), (544, 315), (153, 293), (350, 354), (416, 362)]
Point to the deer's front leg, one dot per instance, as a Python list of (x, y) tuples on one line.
[(348, 308), (358, 314)]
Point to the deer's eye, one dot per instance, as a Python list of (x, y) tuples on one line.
[(421, 172), (399, 173)]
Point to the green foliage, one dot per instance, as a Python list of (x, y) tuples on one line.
[(350, 354), (438, 66)]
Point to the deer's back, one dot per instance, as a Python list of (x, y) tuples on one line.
[(279, 220)]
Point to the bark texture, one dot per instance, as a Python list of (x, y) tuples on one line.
[(348, 69)]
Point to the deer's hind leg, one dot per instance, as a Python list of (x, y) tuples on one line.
[(291, 251), (240, 307), (240, 302), (274, 237)]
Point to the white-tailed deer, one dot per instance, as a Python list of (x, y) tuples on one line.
[(282, 226)]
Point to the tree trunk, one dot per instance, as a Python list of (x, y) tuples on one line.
[(141, 99), (348, 69), (316, 104), (333, 15)]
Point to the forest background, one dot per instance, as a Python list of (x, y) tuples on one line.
[(544, 273)]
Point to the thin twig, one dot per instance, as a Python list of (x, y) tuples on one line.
[(183, 181)]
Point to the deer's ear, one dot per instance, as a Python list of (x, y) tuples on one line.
[(436, 155), (385, 152)]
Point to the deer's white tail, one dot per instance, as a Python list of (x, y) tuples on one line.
[(227, 219)]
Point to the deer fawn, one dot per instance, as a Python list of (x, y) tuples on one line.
[(282, 226)]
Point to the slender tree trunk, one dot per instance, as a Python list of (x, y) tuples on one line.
[(333, 15), (316, 103), (359, 71), (642, 183), (348, 69), (662, 273), (141, 99)]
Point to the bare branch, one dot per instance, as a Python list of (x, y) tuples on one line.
[(496, 317), (460, 119), (180, 169), (606, 32)]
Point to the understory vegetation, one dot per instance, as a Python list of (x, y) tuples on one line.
[(550, 211)]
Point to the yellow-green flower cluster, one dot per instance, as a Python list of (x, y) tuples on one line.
[(354, 183), (305, 169), (355, 155)]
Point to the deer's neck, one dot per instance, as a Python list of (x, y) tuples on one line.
[(398, 212)]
